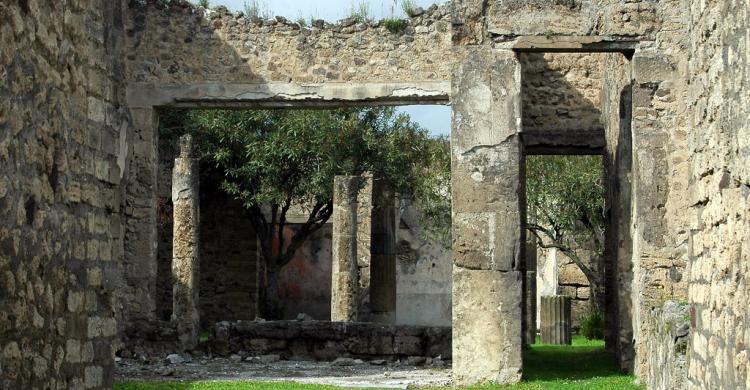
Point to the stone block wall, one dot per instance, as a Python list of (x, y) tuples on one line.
[(718, 101), (178, 44), (61, 168), (667, 346), (561, 91), (319, 340)]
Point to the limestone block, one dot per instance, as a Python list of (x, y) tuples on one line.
[(653, 68), (486, 326)]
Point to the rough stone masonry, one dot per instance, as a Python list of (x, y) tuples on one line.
[(81, 83)]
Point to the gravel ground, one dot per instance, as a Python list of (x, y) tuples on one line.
[(344, 373)]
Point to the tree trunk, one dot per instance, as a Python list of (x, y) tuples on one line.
[(270, 306)]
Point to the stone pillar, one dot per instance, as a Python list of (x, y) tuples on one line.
[(530, 294), (186, 244), (383, 253), (555, 317), (344, 272), (487, 168)]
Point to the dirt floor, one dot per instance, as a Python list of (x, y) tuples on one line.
[(343, 373)]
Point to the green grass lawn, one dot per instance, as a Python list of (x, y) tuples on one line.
[(583, 366)]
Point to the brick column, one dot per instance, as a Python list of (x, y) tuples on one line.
[(186, 244), (487, 168), (383, 253), (344, 272)]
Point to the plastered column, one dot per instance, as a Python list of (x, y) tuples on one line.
[(487, 168), (383, 250), (344, 270), (186, 244)]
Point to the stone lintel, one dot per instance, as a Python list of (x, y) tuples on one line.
[(283, 95), (563, 141), (570, 43)]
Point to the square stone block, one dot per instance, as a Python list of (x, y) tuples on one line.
[(486, 326)]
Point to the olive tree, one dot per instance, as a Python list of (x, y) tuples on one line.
[(565, 198), (272, 160)]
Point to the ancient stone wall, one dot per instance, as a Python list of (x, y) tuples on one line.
[(718, 101), (667, 345), (561, 91), (224, 57), (229, 261), (323, 340), (61, 166), (181, 45)]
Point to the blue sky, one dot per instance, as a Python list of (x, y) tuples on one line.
[(437, 119)]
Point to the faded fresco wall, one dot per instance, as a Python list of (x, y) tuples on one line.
[(423, 275)]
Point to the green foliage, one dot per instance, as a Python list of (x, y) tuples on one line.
[(592, 326), (408, 6), (271, 160), (395, 26), (565, 198), (565, 193), (204, 3), (257, 9), (360, 12), (268, 156), (432, 192)]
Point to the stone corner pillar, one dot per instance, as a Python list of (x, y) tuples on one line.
[(186, 245), (488, 210), (383, 253), (344, 269)]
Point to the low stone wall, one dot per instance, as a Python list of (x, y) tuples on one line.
[(323, 340), (667, 346)]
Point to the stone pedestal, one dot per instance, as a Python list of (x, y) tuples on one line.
[(186, 245), (487, 167), (383, 253), (555, 319), (344, 272)]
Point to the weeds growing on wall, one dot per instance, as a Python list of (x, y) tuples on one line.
[(256, 9), (395, 26), (361, 12), (409, 7)]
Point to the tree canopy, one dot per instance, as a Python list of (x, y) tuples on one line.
[(272, 160)]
